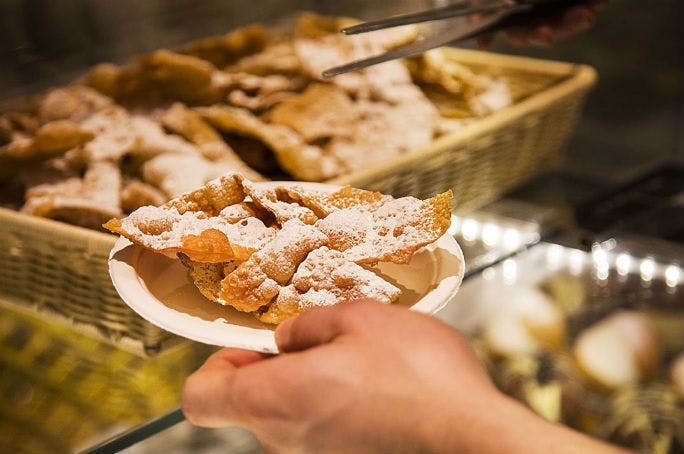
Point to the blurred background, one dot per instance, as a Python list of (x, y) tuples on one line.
[(632, 125), (633, 120)]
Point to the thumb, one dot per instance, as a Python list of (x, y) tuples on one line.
[(322, 325)]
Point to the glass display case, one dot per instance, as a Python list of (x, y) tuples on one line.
[(600, 235), (540, 322)]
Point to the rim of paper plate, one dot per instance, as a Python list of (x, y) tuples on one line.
[(125, 257)]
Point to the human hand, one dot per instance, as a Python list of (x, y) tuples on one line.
[(364, 377), (556, 24)]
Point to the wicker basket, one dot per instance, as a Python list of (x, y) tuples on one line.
[(494, 154), (62, 269), (63, 390)]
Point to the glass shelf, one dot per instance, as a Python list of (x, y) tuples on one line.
[(583, 287), (66, 390)]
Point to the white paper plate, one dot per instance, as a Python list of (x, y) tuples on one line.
[(159, 290)]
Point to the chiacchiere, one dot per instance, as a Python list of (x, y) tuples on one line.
[(251, 101), (276, 249)]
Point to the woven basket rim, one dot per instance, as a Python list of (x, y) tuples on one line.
[(576, 77), (58, 227)]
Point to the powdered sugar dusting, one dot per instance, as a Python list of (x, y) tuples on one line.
[(346, 228), (258, 280), (308, 257), (327, 269), (164, 228), (113, 138), (392, 232), (325, 278), (236, 212), (280, 258), (283, 211)]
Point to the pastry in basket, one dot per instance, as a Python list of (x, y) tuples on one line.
[(275, 250), (252, 101), (86, 201)]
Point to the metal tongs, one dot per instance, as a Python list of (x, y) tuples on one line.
[(498, 14)]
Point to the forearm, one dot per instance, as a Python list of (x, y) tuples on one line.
[(507, 426)]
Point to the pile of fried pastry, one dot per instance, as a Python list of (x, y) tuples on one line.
[(252, 101), (275, 250)]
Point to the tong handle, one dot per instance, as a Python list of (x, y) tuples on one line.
[(539, 2), (500, 14), (423, 45), (457, 9), (461, 8)]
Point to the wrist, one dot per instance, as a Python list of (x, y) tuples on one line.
[(502, 424), (480, 425)]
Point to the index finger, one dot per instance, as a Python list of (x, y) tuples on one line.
[(206, 399), (232, 357), (322, 325)]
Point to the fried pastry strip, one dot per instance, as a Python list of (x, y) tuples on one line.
[(136, 193), (304, 161), (193, 127), (112, 128), (391, 233), (51, 139), (277, 58), (325, 278), (323, 203), (176, 174), (267, 198), (258, 280), (192, 224), (75, 103), (87, 202), (322, 111), (227, 49), (186, 122), (200, 237), (207, 277), (183, 77), (212, 197)]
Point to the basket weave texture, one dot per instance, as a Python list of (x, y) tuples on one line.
[(62, 269), (64, 390), (496, 153)]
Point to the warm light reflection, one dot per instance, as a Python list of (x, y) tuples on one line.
[(604, 261), (599, 256), (488, 274), (491, 234), (609, 245), (602, 272), (512, 239), (554, 254), (672, 275), (623, 263), (576, 261), (470, 229), (510, 271), (647, 269), (454, 227)]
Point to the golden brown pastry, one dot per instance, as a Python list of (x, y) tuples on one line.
[(276, 250)]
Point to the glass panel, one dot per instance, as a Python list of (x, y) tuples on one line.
[(63, 391)]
